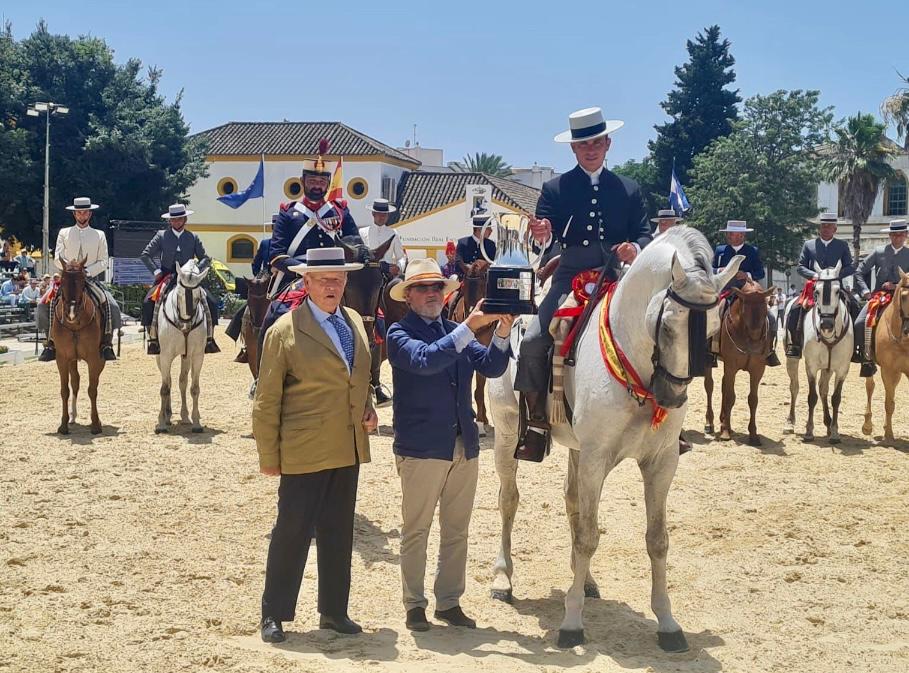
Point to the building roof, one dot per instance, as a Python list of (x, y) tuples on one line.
[(294, 138), (421, 192)]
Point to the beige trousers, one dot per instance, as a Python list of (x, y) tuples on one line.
[(426, 482)]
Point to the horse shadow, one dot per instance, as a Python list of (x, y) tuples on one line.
[(612, 629), (80, 433), (379, 645), (371, 542), (180, 429), (768, 446)]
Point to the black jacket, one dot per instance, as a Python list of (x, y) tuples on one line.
[(469, 252)]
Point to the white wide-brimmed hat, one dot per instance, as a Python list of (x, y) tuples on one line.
[(828, 218), (896, 227), (588, 124), (176, 210), (325, 259), (421, 272), (737, 227), (382, 206), (83, 203), (666, 214)]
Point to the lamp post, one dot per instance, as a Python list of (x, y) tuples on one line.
[(48, 109)]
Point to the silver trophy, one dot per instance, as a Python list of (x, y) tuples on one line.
[(510, 285)]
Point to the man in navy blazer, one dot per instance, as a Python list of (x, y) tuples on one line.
[(436, 441), (468, 250)]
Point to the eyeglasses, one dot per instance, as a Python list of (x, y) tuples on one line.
[(430, 287)]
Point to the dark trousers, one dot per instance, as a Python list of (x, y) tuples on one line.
[(235, 326), (320, 505)]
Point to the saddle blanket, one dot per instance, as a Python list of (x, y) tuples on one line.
[(876, 306)]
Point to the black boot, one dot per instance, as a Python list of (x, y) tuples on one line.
[(49, 354), (107, 348), (868, 369), (773, 360), (383, 399), (211, 346), (153, 348), (535, 440), (242, 356)]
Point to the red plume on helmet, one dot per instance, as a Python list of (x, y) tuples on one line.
[(450, 248)]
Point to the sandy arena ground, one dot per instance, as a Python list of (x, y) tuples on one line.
[(133, 552)]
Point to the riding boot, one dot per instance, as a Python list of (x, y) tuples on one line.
[(794, 329), (49, 354), (535, 436), (242, 356), (107, 339), (210, 345), (713, 349), (868, 366), (153, 348)]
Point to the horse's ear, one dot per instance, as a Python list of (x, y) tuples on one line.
[(82, 262), (738, 292), (350, 252), (770, 291), (838, 268), (64, 261), (721, 280), (379, 253), (904, 277), (678, 273), (817, 267)]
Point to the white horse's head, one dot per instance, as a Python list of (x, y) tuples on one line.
[(190, 275), (189, 279), (827, 298), (681, 317)]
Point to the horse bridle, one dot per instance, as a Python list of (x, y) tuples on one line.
[(188, 298), (697, 340)]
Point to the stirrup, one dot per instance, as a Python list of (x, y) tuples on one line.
[(153, 348), (107, 353), (49, 354), (211, 346)]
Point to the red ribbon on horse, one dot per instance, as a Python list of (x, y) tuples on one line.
[(876, 305), (806, 299), (581, 286)]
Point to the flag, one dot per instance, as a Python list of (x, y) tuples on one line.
[(677, 199), (256, 190), (337, 179)]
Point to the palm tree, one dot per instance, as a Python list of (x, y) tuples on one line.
[(857, 162), (490, 164), (895, 110)]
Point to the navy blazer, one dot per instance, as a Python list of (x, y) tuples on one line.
[(826, 257), (433, 388), (262, 260), (752, 263), (469, 252), (612, 211), (166, 251)]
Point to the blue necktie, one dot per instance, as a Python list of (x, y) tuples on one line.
[(436, 327), (344, 335)]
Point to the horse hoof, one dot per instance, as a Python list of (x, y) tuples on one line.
[(788, 430), (568, 639), (808, 437), (198, 428), (63, 430), (835, 440), (754, 441), (672, 642), (503, 595), (159, 431), (591, 591), (708, 429), (96, 430), (866, 429)]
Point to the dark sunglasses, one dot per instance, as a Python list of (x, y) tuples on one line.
[(430, 287)]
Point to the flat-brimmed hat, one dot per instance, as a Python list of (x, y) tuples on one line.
[(896, 227), (176, 210), (325, 259), (422, 272), (83, 203), (667, 214), (382, 206), (317, 166), (828, 218), (587, 124), (737, 227)]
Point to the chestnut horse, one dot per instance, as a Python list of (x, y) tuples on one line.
[(891, 352), (745, 340), (256, 307), (76, 332)]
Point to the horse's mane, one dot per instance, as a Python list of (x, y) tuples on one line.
[(690, 239)]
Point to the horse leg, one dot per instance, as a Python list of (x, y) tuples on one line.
[(184, 377), (164, 365), (728, 401), (507, 469), (708, 388), (658, 474), (755, 379), (74, 385), (194, 391), (891, 378), (792, 369), (834, 433), (591, 590), (94, 374), (585, 537), (823, 389), (869, 391), (812, 402), (63, 369)]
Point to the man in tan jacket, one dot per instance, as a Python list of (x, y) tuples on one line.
[(311, 418)]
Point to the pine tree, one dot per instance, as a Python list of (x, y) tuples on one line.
[(701, 107)]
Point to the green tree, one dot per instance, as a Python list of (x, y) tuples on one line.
[(644, 173), (765, 172), (121, 143), (701, 106), (490, 164), (895, 110), (857, 162)]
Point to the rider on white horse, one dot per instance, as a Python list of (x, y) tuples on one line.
[(825, 252), (79, 242)]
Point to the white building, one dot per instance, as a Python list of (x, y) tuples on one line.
[(534, 176), (370, 170)]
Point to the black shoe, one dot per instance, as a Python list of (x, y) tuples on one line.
[(49, 354), (857, 358), (383, 399), (271, 631), (153, 348), (868, 369), (534, 445), (211, 347), (107, 353), (342, 624), (456, 617), (416, 620), (793, 351), (773, 360)]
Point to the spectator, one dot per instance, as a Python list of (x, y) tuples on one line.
[(30, 294), (9, 291), (24, 261), (451, 267), (45, 284), (793, 292)]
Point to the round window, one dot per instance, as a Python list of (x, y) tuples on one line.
[(357, 188), (293, 189), (226, 186)]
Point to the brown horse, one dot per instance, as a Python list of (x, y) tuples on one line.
[(473, 289), (76, 332), (256, 307), (891, 352), (745, 340)]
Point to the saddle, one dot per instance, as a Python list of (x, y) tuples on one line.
[(876, 305)]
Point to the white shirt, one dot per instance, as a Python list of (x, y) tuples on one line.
[(75, 242), (376, 236), (595, 176), (826, 243), (895, 249)]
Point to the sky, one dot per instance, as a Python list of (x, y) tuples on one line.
[(496, 77)]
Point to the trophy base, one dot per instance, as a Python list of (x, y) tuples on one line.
[(509, 307)]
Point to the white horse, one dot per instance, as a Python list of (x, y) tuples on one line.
[(827, 346), (182, 332), (649, 313)]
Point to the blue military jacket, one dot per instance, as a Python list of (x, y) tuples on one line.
[(751, 265), (469, 252)]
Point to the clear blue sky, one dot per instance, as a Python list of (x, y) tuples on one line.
[(482, 76)]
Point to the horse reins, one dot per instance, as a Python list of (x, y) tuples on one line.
[(186, 326), (697, 339)]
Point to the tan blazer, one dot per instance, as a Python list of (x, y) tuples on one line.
[(308, 411)]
